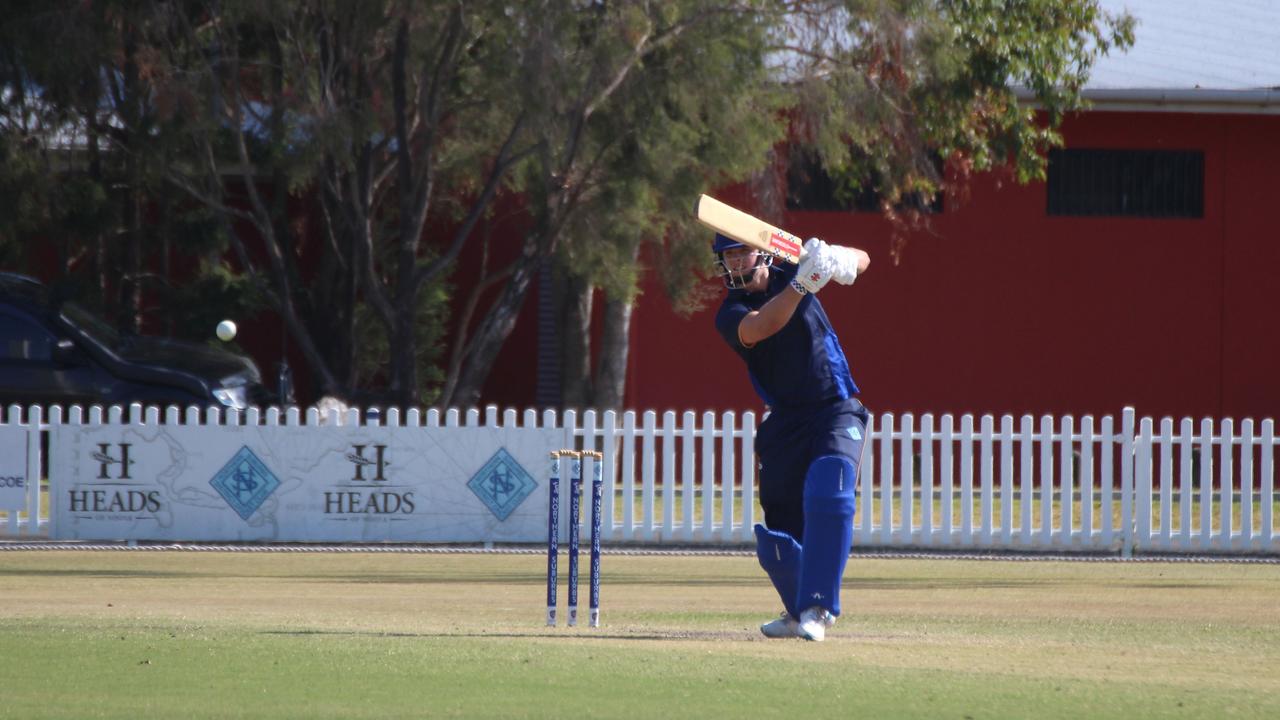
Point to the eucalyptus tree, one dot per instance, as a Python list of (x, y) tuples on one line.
[(389, 113), (643, 106), (84, 140), (634, 108)]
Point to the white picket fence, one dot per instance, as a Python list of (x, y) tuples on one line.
[(1060, 484)]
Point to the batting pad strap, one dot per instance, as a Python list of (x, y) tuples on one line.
[(779, 555)]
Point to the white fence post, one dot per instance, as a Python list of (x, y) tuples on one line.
[(1206, 483), (945, 472), (1026, 478), (926, 480), (1046, 481), (1006, 480), (668, 475), (1246, 484), (1127, 440), (708, 442), (1225, 484), (987, 470), (1066, 482), (13, 417), (866, 485), (609, 446), (748, 476), (906, 480), (628, 474), (966, 480), (688, 480), (1142, 484), (1186, 483), (648, 476), (568, 423), (1266, 478), (35, 426), (886, 479), (1166, 483), (1086, 481), (727, 493), (38, 504), (1106, 481)]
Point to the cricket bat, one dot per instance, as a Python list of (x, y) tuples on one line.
[(732, 222)]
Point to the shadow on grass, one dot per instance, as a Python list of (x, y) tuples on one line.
[(101, 573), (852, 582), (566, 634), (864, 583), (526, 579)]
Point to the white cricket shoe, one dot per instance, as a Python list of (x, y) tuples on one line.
[(814, 622), (784, 627)]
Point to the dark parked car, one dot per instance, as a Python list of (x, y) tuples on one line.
[(54, 352)]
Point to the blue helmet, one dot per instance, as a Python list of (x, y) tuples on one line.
[(723, 243), (733, 280)]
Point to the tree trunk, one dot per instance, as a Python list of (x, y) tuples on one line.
[(99, 263), (615, 349), (131, 285), (335, 294), (575, 341), (404, 351), (166, 263), (495, 328), (347, 317), (131, 282)]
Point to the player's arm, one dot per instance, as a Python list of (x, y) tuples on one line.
[(864, 260), (770, 318), (845, 263)]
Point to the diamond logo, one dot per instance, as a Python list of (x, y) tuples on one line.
[(245, 483), (502, 484)]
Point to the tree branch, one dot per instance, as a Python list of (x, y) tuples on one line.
[(503, 161)]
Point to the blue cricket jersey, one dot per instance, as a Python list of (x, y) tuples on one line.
[(800, 366)]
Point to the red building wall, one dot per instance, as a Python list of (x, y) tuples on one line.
[(1002, 308)]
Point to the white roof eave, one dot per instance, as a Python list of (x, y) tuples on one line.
[(1260, 101)]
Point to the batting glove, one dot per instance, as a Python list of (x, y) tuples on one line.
[(815, 268), (844, 262)]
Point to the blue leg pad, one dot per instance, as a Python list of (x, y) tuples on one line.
[(779, 555), (830, 500)]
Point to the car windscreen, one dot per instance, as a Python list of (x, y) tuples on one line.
[(92, 325)]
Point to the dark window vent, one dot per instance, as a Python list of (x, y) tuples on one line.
[(1126, 183)]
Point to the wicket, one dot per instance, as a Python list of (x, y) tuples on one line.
[(575, 519)]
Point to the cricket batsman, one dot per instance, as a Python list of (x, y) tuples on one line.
[(810, 445)]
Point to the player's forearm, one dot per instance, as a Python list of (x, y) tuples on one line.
[(770, 318), (864, 260)]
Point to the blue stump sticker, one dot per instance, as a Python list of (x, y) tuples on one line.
[(502, 484), (245, 483)]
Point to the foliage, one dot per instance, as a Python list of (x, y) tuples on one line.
[(84, 145), (430, 328), (331, 160), (894, 85)]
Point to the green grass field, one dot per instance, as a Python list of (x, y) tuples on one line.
[(353, 635)]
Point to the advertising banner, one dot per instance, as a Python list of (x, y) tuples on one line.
[(13, 468), (300, 484)]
